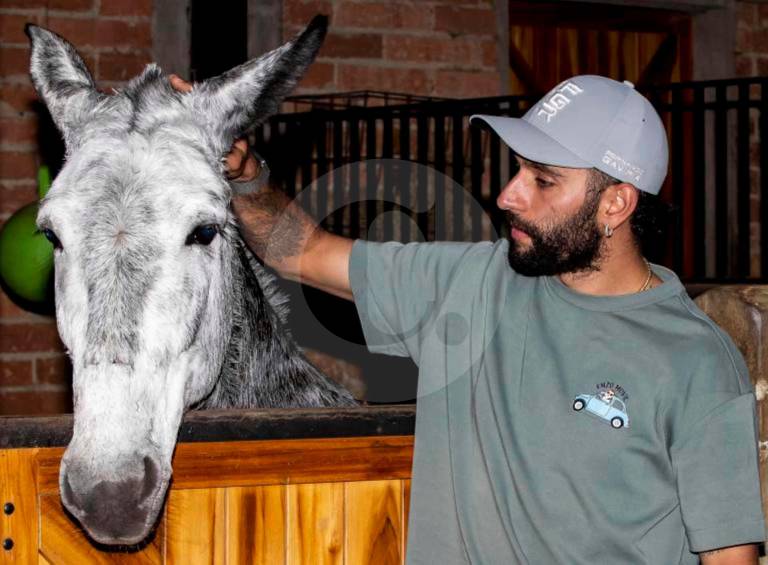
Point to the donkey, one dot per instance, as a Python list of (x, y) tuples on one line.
[(160, 305)]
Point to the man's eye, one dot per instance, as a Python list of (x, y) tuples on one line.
[(543, 183), (202, 235)]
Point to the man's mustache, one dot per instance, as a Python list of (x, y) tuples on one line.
[(513, 221)]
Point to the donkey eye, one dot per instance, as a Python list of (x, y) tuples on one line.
[(202, 235), (50, 236)]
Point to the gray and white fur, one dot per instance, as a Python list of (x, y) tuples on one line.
[(157, 316)]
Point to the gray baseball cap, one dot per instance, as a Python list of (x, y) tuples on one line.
[(591, 121)]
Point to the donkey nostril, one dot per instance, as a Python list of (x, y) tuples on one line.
[(151, 478), (68, 494)]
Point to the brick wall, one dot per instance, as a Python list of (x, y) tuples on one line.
[(115, 38), (439, 48)]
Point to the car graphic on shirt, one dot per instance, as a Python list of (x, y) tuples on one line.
[(606, 407)]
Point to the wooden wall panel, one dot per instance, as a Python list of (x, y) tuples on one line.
[(195, 526), (62, 542), (315, 524), (373, 527), (17, 486), (256, 525)]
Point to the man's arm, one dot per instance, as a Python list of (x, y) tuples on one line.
[(736, 555), (284, 236)]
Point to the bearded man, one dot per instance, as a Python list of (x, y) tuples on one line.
[(574, 405)]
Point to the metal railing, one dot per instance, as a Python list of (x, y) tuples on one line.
[(714, 183)]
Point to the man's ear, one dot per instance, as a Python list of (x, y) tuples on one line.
[(618, 203), (62, 80), (241, 98)]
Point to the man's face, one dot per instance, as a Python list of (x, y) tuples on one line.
[(551, 216)]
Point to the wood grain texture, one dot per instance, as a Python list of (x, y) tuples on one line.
[(63, 542), (315, 524), (195, 527), (256, 525), (406, 511), (373, 527), (17, 486), (265, 462)]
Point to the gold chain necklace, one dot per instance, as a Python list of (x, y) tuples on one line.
[(647, 283)]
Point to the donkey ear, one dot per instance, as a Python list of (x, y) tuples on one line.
[(62, 80), (242, 97)]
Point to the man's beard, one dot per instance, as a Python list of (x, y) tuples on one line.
[(572, 245)]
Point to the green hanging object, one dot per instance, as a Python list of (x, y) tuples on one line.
[(26, 256)]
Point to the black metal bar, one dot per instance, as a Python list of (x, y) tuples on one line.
[(699, 186), (476, 187), (440, 215), (743, 185), (306, 155), (389, 185), (422, 150), (678, 179), (338, 176), (370, 174), (321, 197), (458, 178), (721, 186), (353, 127), (404, 178), (763, 123)]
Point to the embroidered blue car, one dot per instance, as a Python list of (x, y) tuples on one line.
[(613, 411)]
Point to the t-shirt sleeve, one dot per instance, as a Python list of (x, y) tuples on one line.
[(398, 288), (715, 452)]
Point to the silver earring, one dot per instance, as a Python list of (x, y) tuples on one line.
[(608, 231)]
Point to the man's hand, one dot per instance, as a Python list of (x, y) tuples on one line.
[(736, 555), (241, 165)]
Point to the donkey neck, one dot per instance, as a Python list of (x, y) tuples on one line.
[(263, 366)]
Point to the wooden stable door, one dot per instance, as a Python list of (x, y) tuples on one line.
[(274, 502), (551, 41)]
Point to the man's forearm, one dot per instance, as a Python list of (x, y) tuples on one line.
[(287, 239), (736, 555)]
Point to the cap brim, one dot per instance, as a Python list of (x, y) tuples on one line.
[(530, 142)]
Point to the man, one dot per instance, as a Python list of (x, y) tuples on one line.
[(574, 405)]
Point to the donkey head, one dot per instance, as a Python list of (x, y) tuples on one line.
[(139, 216)]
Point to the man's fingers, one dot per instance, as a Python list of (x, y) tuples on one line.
[(179, 83)]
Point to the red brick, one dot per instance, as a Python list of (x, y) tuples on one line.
[(479, 21), (15, 98), (15, 373), (12, 28), (762, 66), (745, 66), (319, 75), (746, 14), (29, 337), (103, 33), (758, 41), (126, 7), (121, 66), (18, 164), (18, 130), (71, 5), (54, 370), (353, 77), (384, 15), (11, 199), (14, 60), (490, 54), (28, 4), (9, 309), (35, 403), (762, 12), (352, 46), (467, 84), (299, 13), (457, 51)]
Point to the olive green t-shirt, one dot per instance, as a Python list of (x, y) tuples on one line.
[(557, 427)]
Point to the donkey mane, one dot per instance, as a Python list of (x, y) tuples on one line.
[(263, 366)]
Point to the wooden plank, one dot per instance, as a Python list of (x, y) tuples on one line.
[(17, 486), (315, 524), (253, 463), (195, 526), (256, 525), (406, 510), (373, 527), (63, 542)]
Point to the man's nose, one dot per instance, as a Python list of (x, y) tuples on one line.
[(514, 195)]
